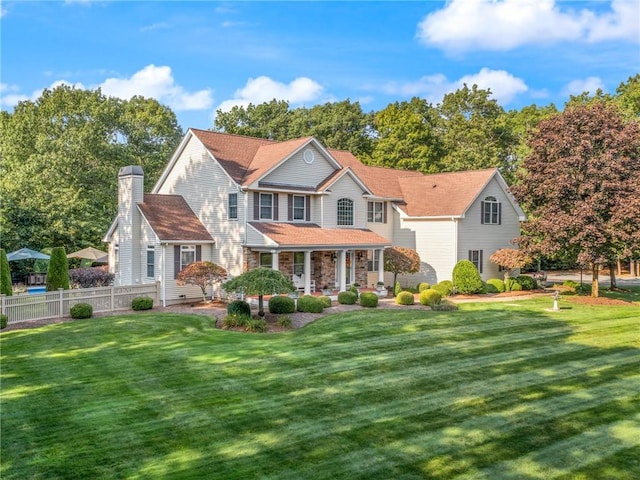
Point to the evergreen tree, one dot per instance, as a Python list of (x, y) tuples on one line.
[(58, 273), (5, 274)]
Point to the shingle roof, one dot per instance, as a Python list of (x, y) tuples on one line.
[(442, 194), (310, 234), (267, 156), (171, 218)]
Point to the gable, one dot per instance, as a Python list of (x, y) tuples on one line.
[(306, 168)]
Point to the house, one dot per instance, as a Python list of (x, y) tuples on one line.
[(318, 215)]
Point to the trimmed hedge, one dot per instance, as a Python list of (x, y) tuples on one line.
[(81, 310), (445, 287), (281, 304), (3, 321), (430, 297), (527, 282), (466, 278), (495, 285), (142, 303), (347, 298), (239, 307), (512, 285), (326, 301), (423, 286), (310, 304), (405, 298), (396, 289), (369, 299)]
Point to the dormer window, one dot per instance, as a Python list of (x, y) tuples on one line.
[(345, 211), (491, 211)]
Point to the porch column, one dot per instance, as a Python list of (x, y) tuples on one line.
[(274, 260), (342, 270), (381, 265), (307, 272)]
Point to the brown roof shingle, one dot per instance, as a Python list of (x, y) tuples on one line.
[(171, 218), (310, 234)]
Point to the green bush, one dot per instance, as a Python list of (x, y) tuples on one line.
[(466, 278), (142, 303), (281, 304), (239, 307), (256, 325), (445, 287), (423, 286), (396, 289), (430, 297), (235, 320), (495, 285), (570, 283), (310, 304), (58, 271), (347, 298), (285, 322), (3, 321), (527, 282), (81, 310), (369, 299), (354, 289), (326, 301), (404, 298), (5, 274), (512, 285), (583, 289), (445, 306)]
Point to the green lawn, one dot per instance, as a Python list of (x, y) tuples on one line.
[(493, 391)]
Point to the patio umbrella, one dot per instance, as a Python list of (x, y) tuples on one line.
[(89, 253), (25, 254)]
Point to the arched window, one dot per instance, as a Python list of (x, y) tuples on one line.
[(345, 211), (491, 211)]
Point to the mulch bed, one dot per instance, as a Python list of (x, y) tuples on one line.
[(599, 301)]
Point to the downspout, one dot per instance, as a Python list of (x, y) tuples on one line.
[(163, 276), (455, 240)]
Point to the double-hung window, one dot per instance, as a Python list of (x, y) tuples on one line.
[(187, 255), (375, 212), (298, 263), (151, 260), (373, 261), (475, 257), (266, 260), (299, 207), (266, 206), (491, 211), (345, 211), (233, 206)]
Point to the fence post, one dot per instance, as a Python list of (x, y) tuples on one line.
[(2, 306), (113, 302), (60, 290)]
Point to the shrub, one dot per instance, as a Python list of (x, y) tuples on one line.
[(495, 285), (235, 320), (281, 304), (347, 298), (430, 297), (3, 321), (396, 289), (310, 304), (423, 286), (90, 277), (58, 271), (239, 307), (445, 306), (512, 285), (583, 289), (527, 282), (81, 310), (570, 283), (142, 303), (369, 299), (326, 301), (257, 325), (5, 274), (445, 287), (354, 289), (466, 278), (404, 298), (284, 321)]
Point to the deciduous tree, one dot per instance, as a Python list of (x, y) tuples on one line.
[(510, 258), (260, 281), (201, 274), (401, 260)]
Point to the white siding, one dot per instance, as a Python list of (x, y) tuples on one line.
[(130, 193), (172, 289), (383, 229), (255, 238), (473, 235), (295, 171), (345, 187)]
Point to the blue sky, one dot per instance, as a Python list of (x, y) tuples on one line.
[(198, 57)]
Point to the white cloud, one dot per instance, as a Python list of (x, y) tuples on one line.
[(13, 98), (158, 83), (590, 84), (507, 24), (264, 89), (504, 86)]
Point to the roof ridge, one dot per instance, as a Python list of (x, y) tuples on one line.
[(237, 135)]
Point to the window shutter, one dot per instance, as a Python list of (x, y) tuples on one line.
[(198, 253), (176, 260), (470, 256), (500, 214), (307, 208), (480, 262), (482, 213), (275, 206), (256, 205), (384, 212), (290, 207)]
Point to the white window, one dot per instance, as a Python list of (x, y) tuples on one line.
[(298, 263), (373, 260), (187, 255), (475, 257), (299, 207), (151, 261), (266, 206), (233, 206), (375, 212), (345, 211), (266, 260), (491, 211)]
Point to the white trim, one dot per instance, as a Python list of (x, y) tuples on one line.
[(355, 178)]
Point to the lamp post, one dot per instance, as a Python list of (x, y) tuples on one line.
[(556, 296)]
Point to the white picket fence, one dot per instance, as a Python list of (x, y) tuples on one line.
[(21, 308)]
